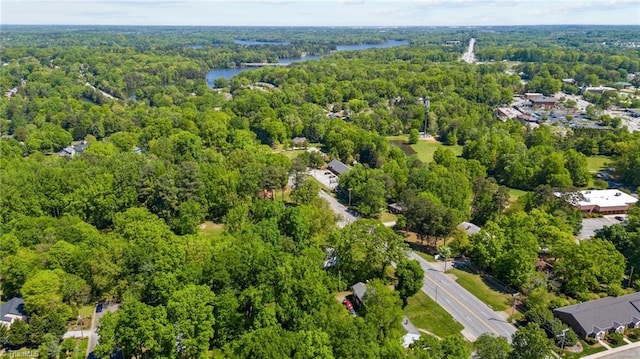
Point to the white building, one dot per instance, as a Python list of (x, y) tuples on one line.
[(606, 201)]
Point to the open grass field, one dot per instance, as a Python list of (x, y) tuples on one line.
[(498, 301), (597, 163), (426, 148), (209, 228), (427, 314), (387, 217)]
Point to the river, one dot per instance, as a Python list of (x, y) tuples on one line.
[(228, 73)]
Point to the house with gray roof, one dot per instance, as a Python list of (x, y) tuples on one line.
[(598, 317), (11, 311), (338, 167), (359, 290)]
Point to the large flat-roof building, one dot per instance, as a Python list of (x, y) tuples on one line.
[(606, 201), (598, 317)]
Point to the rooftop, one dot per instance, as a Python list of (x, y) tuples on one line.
[(14, 306), (338, 167), (604, 313), (469, 228), (604, 198)]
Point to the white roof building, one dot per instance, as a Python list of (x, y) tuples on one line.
[(606, 201)]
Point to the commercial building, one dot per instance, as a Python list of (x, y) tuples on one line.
[(607, 201)]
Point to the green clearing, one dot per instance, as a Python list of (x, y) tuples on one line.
[(293, 153), (425, 313), (387, 217), (426, 148), (597, 163), (209, 228), (496, 300), (515, 194)]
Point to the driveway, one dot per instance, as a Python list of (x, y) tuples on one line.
[(95, 322)]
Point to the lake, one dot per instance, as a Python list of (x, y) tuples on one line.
[(404, 146), (228, 73)]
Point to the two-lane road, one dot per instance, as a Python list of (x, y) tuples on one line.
[(476, 317)]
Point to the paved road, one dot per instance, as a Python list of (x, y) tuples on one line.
[(629, 351), (475, 316), (468, 56), (345, 215)]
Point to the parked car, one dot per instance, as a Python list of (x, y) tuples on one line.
[(327, 173), (99, 308), (619, 218)]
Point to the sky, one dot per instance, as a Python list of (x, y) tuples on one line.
[(320, 12)]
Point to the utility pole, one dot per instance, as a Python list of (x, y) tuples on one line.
[(513, 309), (436, 292), (630, 275), (564, 336)]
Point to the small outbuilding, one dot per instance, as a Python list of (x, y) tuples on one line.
[(469, 228)]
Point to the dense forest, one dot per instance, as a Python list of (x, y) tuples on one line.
[(120, 221)]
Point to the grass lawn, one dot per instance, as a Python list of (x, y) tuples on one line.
[(428, 315), (425, 149), (473, 283), (514, 194), (587, 350), (427, 257), (80, 349), (86, 311), (293, 153), (209, 228), (387, 217), (597, 163)]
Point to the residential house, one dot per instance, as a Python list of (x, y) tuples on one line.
[(412, 334), (598, 317), (73, 149), (395, 208), (11, 311), (359, 291), (299, 142), (338, 167)]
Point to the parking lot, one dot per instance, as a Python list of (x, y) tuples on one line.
[(325, 177), (590, 225)]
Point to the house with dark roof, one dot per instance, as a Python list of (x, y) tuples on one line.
[(11, 311), (598, 317), (359, 290), (338, 167)]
